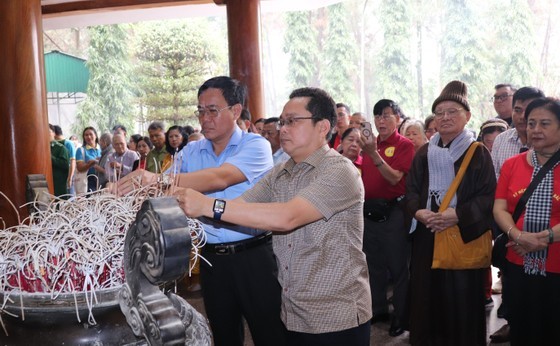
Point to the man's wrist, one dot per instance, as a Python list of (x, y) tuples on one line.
[(218, 208)]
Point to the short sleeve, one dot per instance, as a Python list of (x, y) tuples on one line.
[(253, 157)]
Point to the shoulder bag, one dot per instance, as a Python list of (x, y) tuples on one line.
[(450, 252), (80, 178)]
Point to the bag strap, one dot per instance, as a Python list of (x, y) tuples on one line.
[(460, 173), (533, 185)]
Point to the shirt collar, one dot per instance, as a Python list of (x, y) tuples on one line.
[(359, 160), (234, 140), (88, 147), (313, 160), (392, 139)]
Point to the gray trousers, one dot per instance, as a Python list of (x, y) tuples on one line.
[(387, 247)]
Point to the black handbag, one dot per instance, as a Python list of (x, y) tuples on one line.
[(377, 209), (499, 249)]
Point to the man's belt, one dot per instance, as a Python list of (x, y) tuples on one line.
[(379, 209), (238, 246)]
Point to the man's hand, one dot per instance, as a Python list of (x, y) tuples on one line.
[(194, 203), (133, 181), (368, 144), (440, 221)]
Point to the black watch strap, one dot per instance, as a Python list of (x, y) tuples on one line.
[(219, 207)]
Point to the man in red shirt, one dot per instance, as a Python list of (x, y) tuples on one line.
[(386, 161)]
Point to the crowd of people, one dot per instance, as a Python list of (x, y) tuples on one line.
[(313, 215)]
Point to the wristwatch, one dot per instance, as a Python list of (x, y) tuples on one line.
[(219, 207)]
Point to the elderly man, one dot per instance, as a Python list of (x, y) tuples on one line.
[(325, 300), (120, 163), (357, 119), (272, 134), (241, 280)]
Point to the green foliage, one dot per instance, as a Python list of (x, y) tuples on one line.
[(300, 42), (394, 76), (515, 58), (339, 49), (175, 58), (109, 97), (464, 54)]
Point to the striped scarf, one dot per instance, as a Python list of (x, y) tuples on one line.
[(537, 217)]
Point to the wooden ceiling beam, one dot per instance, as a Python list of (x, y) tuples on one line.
[(96, 5)]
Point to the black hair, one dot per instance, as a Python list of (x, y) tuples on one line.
[(505, 85), (260, 120), (147, 140), (57, 130), (384, 103), (185, 136), (526, 93), (551, 104), (234, 91), (340, 104), (348, 131), (94, 131), (188, 129), (136, 137), (245, 115), (271, 120), (321, 105)]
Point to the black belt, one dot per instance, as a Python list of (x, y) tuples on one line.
[(238, 246), (379, 209)]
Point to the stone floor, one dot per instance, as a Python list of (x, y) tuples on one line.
[(379, 331)]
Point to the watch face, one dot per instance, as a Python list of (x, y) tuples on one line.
[(219, 206)]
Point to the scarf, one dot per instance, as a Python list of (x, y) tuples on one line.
[(537, 217), (441, 169)]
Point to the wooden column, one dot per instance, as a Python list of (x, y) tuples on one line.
[(243, 17), (24, 137)]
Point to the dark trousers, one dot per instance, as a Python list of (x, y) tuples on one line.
[(387, 247), (241, 285), (534, 304), (357, 336)]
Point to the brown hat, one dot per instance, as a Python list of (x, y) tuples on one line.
[(453, 91)]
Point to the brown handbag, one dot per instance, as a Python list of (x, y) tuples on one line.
[(450, 252)]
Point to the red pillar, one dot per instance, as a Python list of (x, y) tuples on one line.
[(243, 17), (24, 137)]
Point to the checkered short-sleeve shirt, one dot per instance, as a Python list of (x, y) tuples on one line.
[(321, 266)]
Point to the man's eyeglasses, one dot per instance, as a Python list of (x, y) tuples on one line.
[(289, 122), (452, 112), (500, 98), (383, 116), (212, 112)]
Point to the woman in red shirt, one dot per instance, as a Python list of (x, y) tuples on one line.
[(533, 252)]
